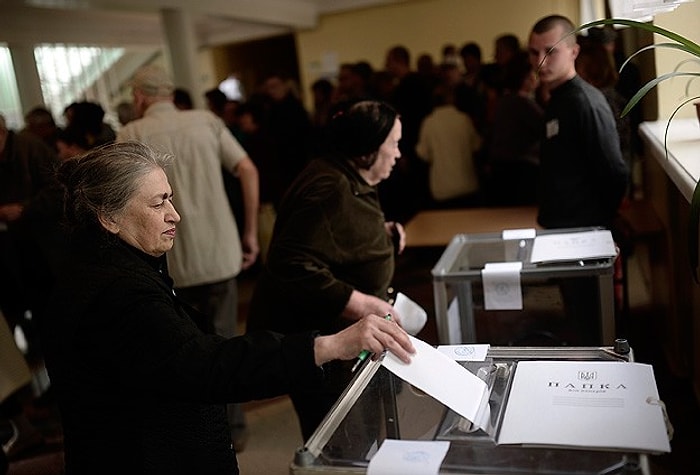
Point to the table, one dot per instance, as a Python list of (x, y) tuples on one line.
[(438, 227)]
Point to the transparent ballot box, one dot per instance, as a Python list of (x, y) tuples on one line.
[(378, 405), (460, 303)]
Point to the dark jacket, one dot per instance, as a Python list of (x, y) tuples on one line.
[(583, 176), (140, 388), (27, 166), (329, 239)]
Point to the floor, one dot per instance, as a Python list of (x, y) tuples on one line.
[(274, 433)]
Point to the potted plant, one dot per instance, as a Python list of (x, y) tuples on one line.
[(680, 43)]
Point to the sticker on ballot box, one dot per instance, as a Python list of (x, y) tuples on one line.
[(502, 289)]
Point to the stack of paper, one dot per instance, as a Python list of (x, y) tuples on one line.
[(573, 246)]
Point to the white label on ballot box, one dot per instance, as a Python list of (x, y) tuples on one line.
[(573, 246), (476, 352), (501, 282)]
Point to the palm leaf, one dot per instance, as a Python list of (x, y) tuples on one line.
[(683, 63), (668, 122), (651, 85), (692, 47), (680, 43), (677, 46)]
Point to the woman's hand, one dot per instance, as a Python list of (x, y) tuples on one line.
[(372, 333), (11, 212), (360, 305), (397, 233)]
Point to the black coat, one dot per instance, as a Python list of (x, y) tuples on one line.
[(140, 388), (329, 239)]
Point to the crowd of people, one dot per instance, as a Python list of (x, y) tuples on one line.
[(313, 200)]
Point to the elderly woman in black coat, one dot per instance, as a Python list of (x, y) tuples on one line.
[(140, 387), (331, 258)]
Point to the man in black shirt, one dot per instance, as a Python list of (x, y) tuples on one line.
[(583, 175)]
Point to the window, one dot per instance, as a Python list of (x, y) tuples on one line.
[(68, 73)]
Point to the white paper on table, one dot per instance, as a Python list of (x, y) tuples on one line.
[(573, 246), (511, 234), (501, 282), (445, 380), (408, 457), (413, 316), (475, 352), (592, 404)]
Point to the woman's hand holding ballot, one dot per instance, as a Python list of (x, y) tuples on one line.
[(359, 305), (372, 333)]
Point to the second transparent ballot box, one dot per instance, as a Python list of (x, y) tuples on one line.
[(459, 291)]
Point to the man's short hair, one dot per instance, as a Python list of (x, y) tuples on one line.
[(552, 21)]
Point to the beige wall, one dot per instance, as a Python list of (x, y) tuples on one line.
[(672, 93), (423, 26)]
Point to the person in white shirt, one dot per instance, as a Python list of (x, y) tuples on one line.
[(447, 141)]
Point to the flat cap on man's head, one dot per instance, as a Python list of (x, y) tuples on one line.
[(153, 81)]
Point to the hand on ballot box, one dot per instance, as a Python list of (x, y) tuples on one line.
[(372, 333)]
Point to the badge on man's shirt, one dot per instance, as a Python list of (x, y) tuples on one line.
[(552, 128)]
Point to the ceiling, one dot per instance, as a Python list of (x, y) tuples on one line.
[(134, 23)]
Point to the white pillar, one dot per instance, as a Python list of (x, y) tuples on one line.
[(26, 75), (182, 51)]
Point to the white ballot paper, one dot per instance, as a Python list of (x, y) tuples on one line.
[(444, 379), (587, 404), (573, 246), (413, 316), (408, 457), (501, 282)]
